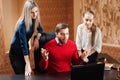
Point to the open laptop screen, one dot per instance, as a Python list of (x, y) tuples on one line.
[(93, 71)]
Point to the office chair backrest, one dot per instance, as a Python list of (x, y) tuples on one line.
[(45, 37)]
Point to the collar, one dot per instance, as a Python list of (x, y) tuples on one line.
[(58, 42)]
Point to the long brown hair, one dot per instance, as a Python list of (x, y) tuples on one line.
[(93, 28)]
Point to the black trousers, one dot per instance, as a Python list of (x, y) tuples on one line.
[(17, 60), (92, 58)]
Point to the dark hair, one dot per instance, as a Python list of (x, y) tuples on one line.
[(61, 26)]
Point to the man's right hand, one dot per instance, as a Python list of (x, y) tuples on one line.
[(44, 53)]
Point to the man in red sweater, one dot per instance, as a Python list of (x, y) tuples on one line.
[(60, 53)]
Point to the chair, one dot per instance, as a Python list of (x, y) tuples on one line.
[(45, 37)]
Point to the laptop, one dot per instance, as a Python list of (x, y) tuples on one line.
[(93, 71)]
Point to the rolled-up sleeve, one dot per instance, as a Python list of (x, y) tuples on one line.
[(39, 29)]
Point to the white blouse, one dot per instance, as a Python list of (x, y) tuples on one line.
[(83, 39)]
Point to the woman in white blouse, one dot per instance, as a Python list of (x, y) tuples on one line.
[(88, 39)]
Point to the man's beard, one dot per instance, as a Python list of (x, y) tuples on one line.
[(62, 41)]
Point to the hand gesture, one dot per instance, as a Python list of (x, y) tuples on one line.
[(44, 53), (84, 56)]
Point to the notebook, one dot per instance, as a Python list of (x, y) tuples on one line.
[(93, 71)]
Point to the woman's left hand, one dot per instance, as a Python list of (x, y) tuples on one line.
[(36, 44)]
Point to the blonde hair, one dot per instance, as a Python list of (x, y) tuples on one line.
[(26, 15)]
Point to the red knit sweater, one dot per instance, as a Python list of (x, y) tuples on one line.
[(60, 57)]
